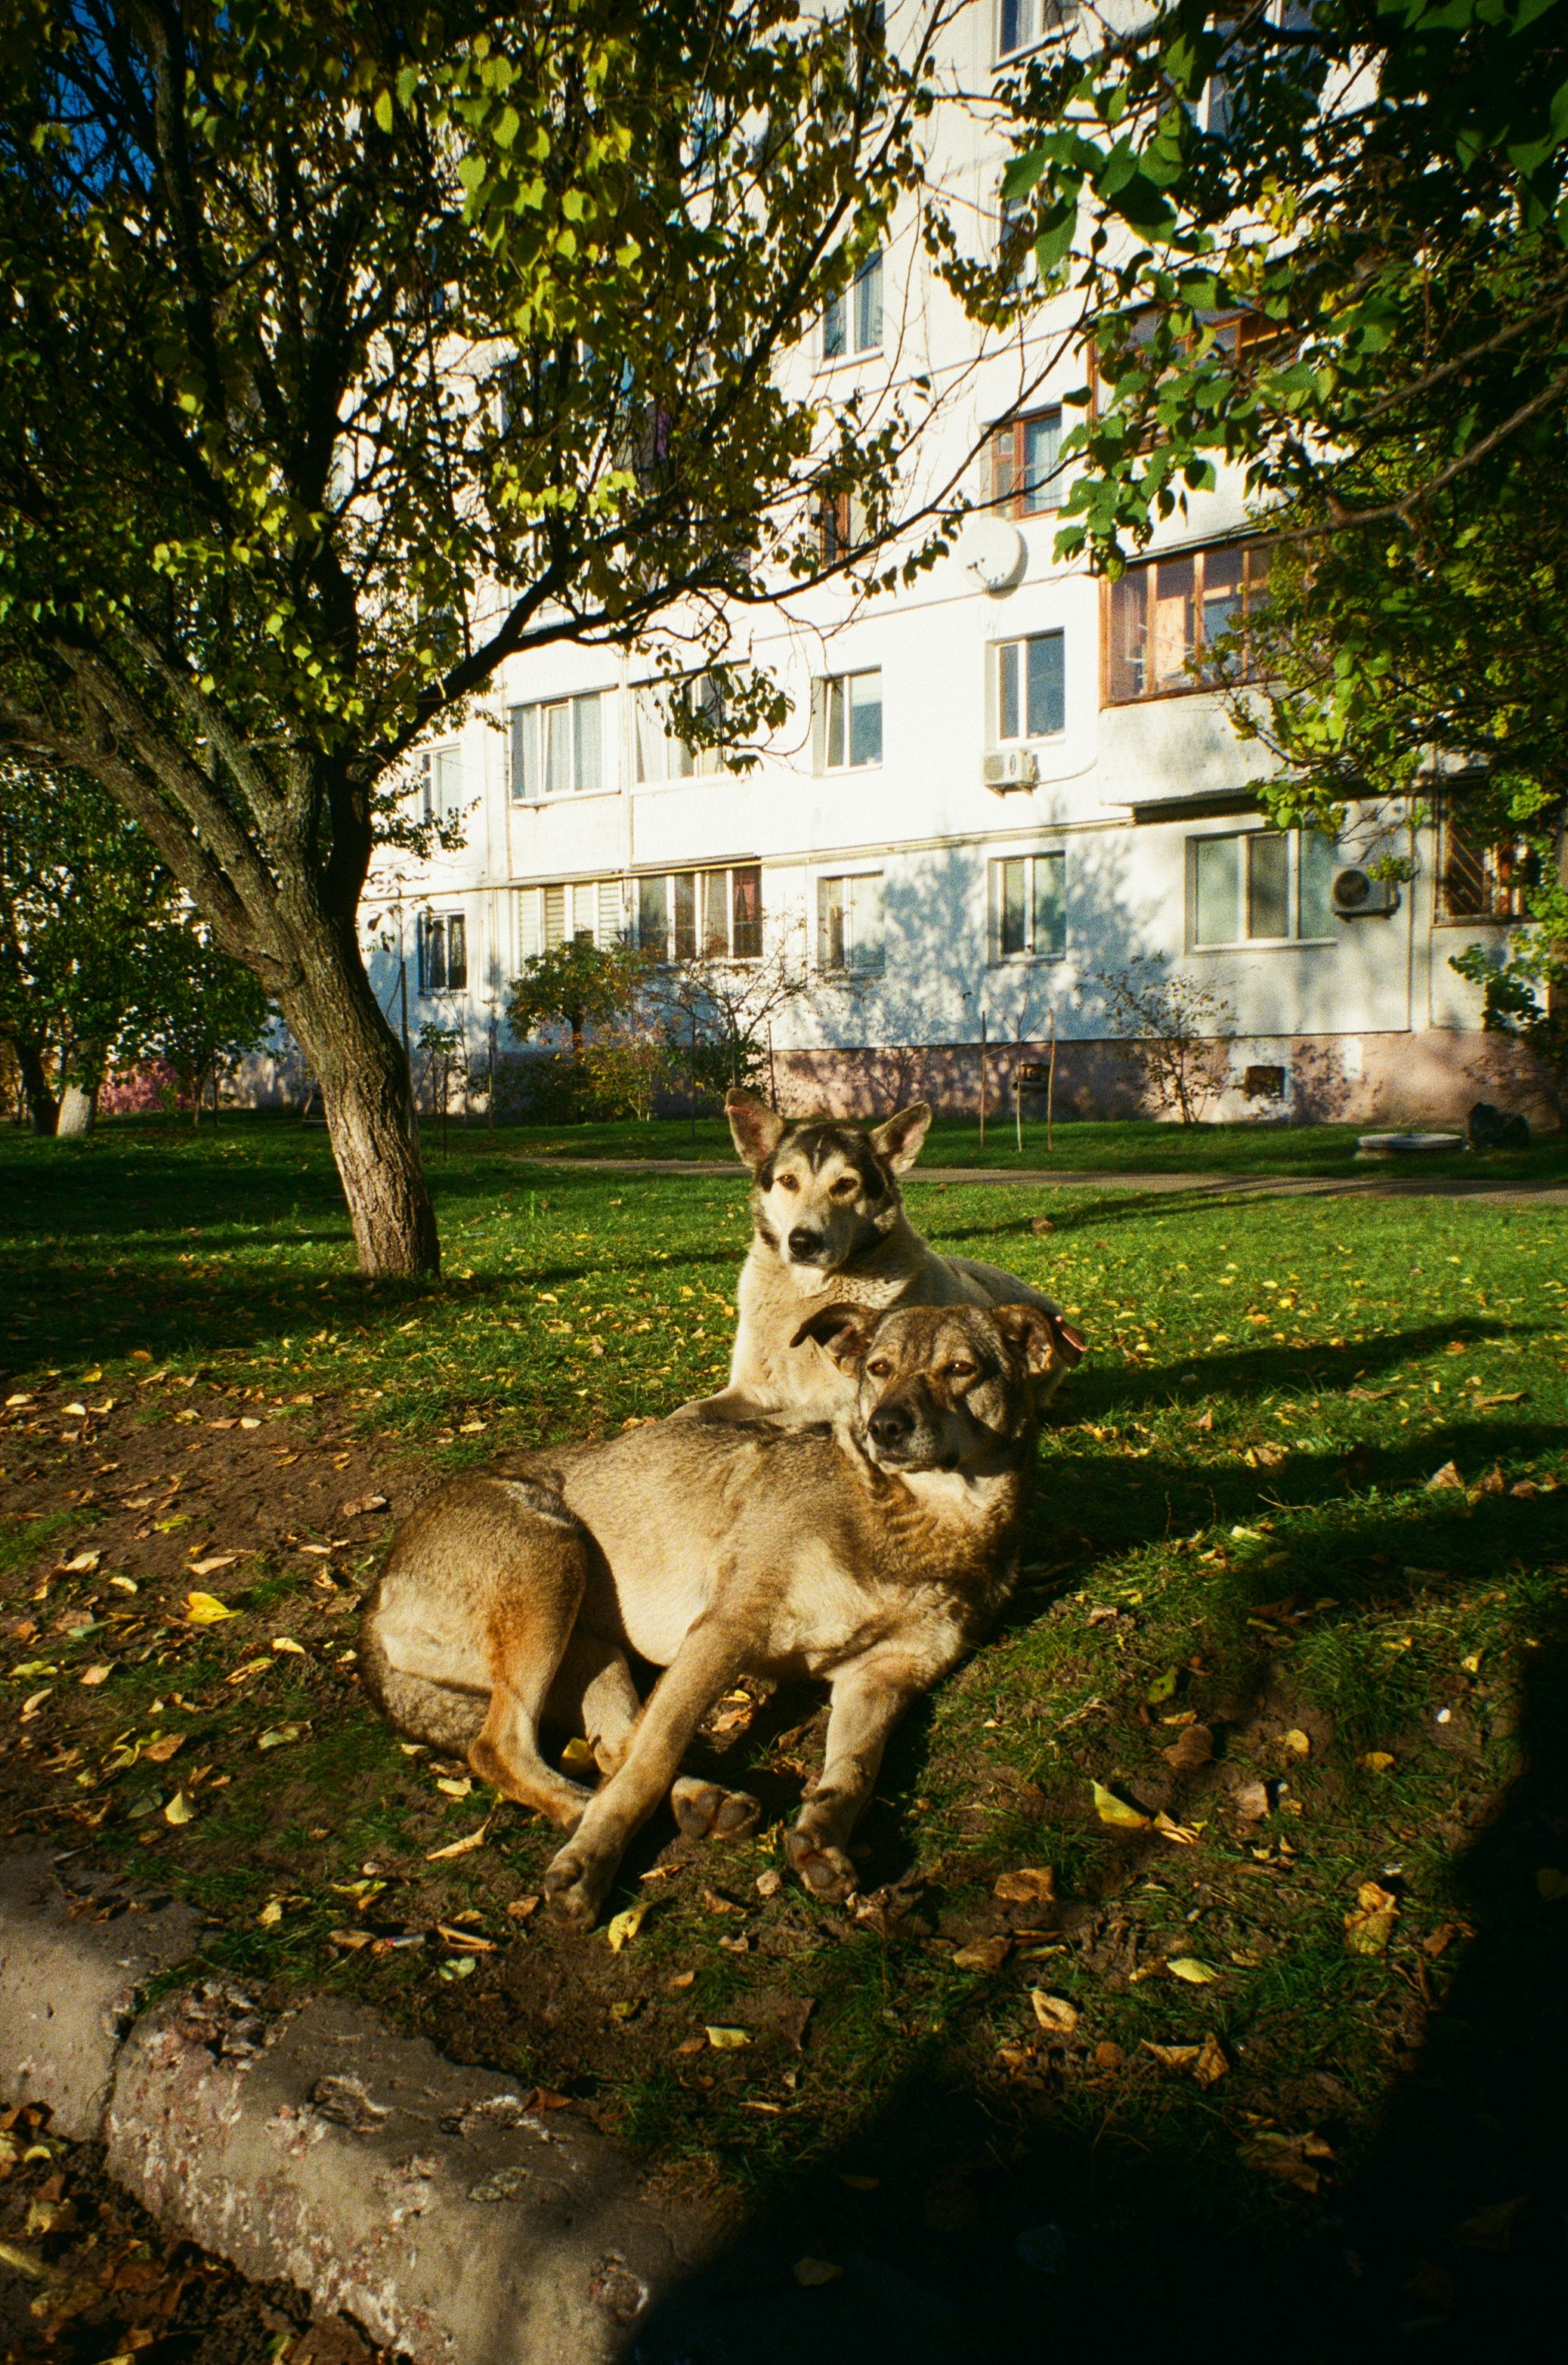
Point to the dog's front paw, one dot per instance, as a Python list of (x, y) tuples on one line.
[(826, 1871), (705, 1810), (575, 1887)]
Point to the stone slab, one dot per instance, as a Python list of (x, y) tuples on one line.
[(70, 1970)]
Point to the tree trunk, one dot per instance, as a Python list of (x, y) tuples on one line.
[(43, 1109), (363, 1081), (78, 1110)]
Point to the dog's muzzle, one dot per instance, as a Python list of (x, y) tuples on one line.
[(807, 1247), (902, 1440)]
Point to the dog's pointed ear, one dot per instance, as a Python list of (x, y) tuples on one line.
[(841, 1332), (1047, 1341), (755, 1128), (897, 1144)]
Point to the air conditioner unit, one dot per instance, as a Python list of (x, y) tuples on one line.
[(1011, 768), (1358, 896)]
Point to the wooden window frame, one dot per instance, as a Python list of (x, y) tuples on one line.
[(1145, 569), (1013, 432)]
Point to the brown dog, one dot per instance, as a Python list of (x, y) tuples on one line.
[(871, 1555), (828, 1227)]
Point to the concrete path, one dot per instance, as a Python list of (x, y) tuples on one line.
[(1378, 1182), (454, 2222)]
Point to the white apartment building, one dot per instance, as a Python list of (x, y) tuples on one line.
[(998, 785)]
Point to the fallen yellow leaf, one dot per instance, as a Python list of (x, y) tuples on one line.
[(99, 1674), (288, 1643), (1211, 2065), (624, 1926), (179, 1809), (1377, 1761), (461, 1847), (83, 1564), (1369, 1929), (727, 2040), (278, 1736), (1116, 1811), (1030, 1885), (1171, 2056), (211, 1566), (271, 1914), (578, 1758), (1297, 1742), (1053, 2013), (205, 1609), (1188, 1967)]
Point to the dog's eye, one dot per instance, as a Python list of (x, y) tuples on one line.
[(881, 1369), (845, 1187), (788, 1183), (958, 1371)]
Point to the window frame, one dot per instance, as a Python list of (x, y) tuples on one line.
[(701, 763), (1031, 951), (849, 969), (700, 877), (1295, 840), (538, 893), (824, 688), (1050, 18), (1015, 501), (841, 342), (449, 931), (1505, 870), (1196, 555), (529, 714), (1026, 737)]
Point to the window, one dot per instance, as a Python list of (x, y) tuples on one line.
[(551, 916), (1477, 881), (557, 747), (444, 953), (438, 784), (1025, 24), (1260, 886), (841, 526), (850, 710), (1162, 615), (849, 923), (1031, 689), (663, 757), (701, 914), (1025, 464), (1028, 907), (852, 322)]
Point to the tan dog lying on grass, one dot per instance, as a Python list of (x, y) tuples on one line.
[(828, 1229), (871, 1555)]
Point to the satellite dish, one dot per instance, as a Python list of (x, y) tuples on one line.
[(994, 552)]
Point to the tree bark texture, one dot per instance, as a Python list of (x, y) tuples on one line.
[(359, 1067), (77, 1110), (43, 1109)]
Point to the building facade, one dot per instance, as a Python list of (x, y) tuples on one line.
[(1000, 787)]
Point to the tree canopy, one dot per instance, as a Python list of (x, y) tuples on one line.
[(351, 348), (102, 963)]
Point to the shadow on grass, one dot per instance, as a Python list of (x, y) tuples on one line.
[(1064, 2225)]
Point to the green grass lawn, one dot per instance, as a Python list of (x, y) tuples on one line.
[(1129, 1146), (1236, 1555)]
